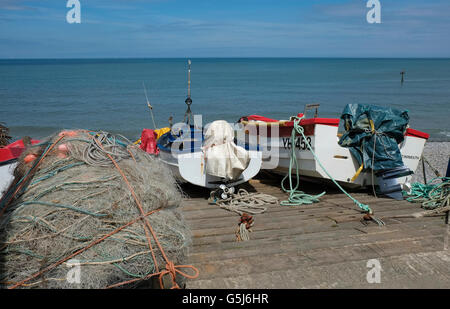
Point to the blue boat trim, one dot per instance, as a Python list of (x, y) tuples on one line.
[(166, 141)]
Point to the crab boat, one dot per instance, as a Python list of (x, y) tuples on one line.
[(200, 159), (209, 157), (322, 134)]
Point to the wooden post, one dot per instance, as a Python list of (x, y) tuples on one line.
[(447, 174), (423, 167)]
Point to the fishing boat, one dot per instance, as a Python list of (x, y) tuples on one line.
[(209, 156), (209, 165), (323, 136)]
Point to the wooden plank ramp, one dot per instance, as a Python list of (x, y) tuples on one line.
[(323, 245)]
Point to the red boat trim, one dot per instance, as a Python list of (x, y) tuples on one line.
[(257, 118), (285, 128), (416, 133), (13, 150), (334, 122)]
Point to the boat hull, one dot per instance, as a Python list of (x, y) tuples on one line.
[(6, 175), (190, 168), (337, 160)]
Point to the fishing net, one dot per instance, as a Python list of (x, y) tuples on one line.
[(76, 196)]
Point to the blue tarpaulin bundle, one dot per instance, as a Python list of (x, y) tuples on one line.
[(376, 129)]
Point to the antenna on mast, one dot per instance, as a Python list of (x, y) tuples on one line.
[(189, 79), (149, 106), (188, 114)]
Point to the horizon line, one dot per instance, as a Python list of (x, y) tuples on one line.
[(211, 57)]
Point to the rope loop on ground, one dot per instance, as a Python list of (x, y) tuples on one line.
[(245, 202), (435, 194)]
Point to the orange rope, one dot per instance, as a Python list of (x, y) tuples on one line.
[(170, 267), (81, 250), (137, 202), (161, 274), (131, 154), (172, 270), (130, 281)]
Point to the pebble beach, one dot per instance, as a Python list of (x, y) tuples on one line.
[(437, 154)]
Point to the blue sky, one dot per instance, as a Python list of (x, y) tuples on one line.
[(225, 28)]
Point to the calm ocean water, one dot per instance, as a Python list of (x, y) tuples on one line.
[(39, 97)]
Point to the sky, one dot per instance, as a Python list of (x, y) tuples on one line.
[(223, 28)]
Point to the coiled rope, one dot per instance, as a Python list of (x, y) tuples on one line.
[(435, 194), (104, 145), (298, 197), (245, 202)]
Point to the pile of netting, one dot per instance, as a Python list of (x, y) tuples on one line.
[(4, 135), (89, 202)]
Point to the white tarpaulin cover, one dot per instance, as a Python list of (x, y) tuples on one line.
[(223, 157)]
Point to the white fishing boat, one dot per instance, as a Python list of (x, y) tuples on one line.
[(207, 157), (322, 134), (211, 165)]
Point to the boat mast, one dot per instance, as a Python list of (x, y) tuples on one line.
[(189, 80), (188, 114), (149, 105)]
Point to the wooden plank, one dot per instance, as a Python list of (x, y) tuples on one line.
[(287, 240), (272, 210), (340, 238), (378, 214), (313, 225), (275, 231), (310, 226), (410, 270), (304, 259), (201, 207), (297, 215)]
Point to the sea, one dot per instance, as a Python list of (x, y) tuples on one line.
[(39, 97)]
